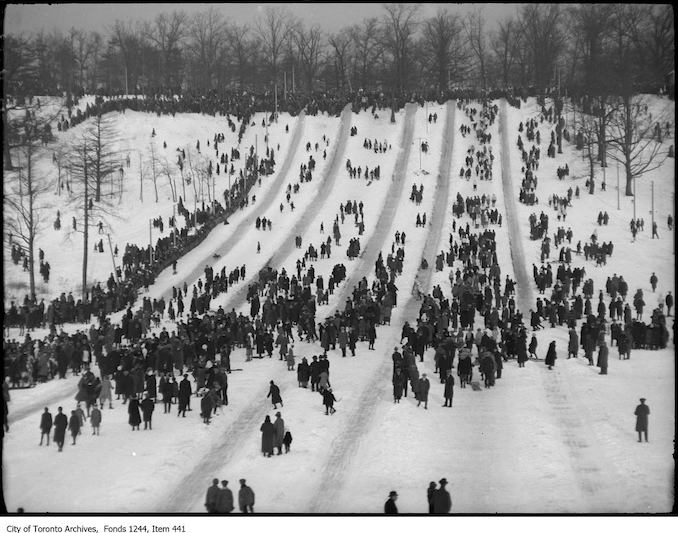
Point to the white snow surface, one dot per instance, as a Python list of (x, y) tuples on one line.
[(540, 441)]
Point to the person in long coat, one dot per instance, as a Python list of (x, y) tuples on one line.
[(74, 424), (442, 501), (430, 495), (207, 404), (603, 353), (573, 344), (642, 413), (267, 437), (449, 389), (245, 498), (224, 499), (274, 394), (303, 373), (551, 357), (147, 406), (60, 425), (399, 384), (45, 425), (106, 392), (521, 349), (279, 427), (185, 392), (133, 412), (95, 420), (390, 506), (212, 496), (423, 386)]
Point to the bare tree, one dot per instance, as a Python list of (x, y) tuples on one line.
[(166, 33), (442, 46), (243, 50), (632, 138), (81, 164), (503, 42), (341, 50), (207, 33), (369, 50), (127, 38), (543, 34), (274, 28), (103, 139), (399, 25), (155, 170), (309, 47), (26, 186), (474, 25)]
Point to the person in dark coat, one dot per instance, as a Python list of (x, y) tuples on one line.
[(399, 384), (642, 413), (224, 499), (603, 354), (95, 420), (274, 394), (245, 498), (212, 497), (423, 386), (442, 502), (60, 425), (328, 401), (133, 412), (74, 424), (184, 396), (207, 405), (147, 406), (551, 357), (390, 505), (449, 389), (573, 344), (267, 437), (287, 441), (279, 426), (430, 495), (303, 373), (45, 425)]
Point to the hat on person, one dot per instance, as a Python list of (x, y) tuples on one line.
[(242, 480), (392, 493), (443, 481), (278, 414), (642, 399)]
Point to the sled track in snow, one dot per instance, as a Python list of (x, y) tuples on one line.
[(523, 286), (239, 430), (588, 447), (259, 209), (349, 441), (327, 181)]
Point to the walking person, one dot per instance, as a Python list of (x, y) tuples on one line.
[(74, 424), (328, 401), (603, 353), (642, 413), (95, 420), (147, 406), (134, 418), (551, 356), (274, 394), (449, 389), (423, 386), (279, 426), (430, 495), (267, 437), (245, 498), (45, 425), (442, 501), (224, 499), (212, 496), (390, 506), (60, 425)]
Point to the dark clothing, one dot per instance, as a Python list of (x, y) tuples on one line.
[(442, 502), (390, 507), (642, 412)]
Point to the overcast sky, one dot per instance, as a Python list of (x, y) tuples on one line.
[(330, 17)]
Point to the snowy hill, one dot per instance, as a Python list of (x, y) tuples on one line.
[(540, 441)]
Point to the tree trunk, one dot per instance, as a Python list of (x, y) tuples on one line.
[(31, 226), (6, 154), (85, 248), (628, 144)]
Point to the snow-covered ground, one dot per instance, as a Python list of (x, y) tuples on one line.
[(538, 442)]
